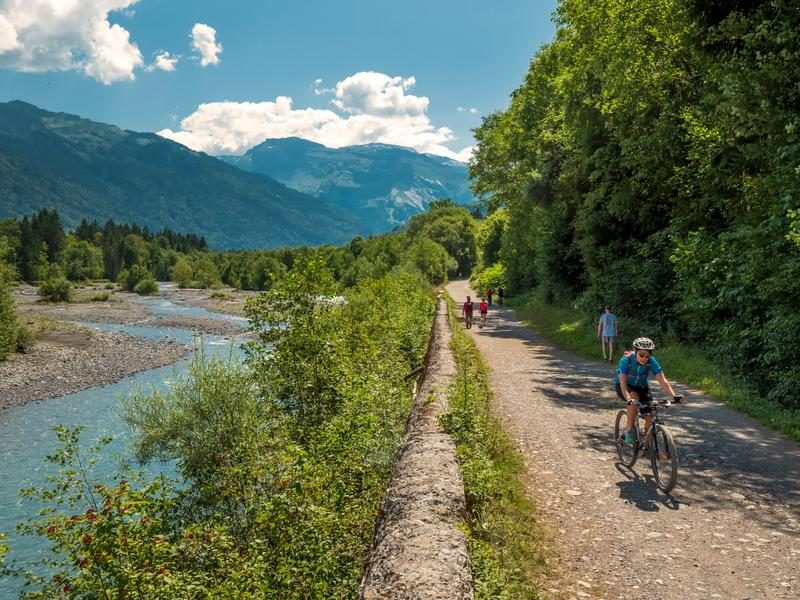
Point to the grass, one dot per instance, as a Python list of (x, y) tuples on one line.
[(686, 364), (504, 539)]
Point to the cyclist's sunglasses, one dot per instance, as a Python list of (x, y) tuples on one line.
[(643, 354)]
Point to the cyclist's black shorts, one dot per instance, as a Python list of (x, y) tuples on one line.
[(645, 397)]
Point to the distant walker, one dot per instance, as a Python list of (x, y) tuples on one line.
[(607, 332)]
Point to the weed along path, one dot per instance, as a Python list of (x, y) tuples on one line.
[(729, 529)]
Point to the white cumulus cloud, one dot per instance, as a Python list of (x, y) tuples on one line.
[(373, 107), (470, 110), (204, 41), (378, 94), (8, 36), (60, 35), (164, 61)]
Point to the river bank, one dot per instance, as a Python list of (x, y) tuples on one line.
[(67, 357)]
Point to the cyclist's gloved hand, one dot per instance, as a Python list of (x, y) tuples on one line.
[(677, 399)]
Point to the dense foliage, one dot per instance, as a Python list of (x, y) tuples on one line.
[(649, 160), (283, 459), (8, 320)]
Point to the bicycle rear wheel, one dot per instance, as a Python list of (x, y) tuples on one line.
[(627, 454), (664, 458)]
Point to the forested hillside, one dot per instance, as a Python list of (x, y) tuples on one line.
[(649, 159), (92, 170)]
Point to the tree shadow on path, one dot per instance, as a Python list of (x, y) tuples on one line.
[(726, 459)]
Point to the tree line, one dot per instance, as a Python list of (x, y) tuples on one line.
[(438, 243), (649, 160)]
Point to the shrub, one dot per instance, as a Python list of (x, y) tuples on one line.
[(130, 278), (146, 287), (8, 320), (25, 338), (283, 459), (101, 297), (56, 289)]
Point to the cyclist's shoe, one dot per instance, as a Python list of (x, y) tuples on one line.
[(630, 437)]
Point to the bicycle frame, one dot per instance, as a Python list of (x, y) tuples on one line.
[(658, 439), (646, 436)]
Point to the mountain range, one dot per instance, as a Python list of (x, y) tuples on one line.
[(88, 169), (282, 192), (382, 185)]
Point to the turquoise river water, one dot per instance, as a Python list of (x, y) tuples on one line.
[(27, 436)]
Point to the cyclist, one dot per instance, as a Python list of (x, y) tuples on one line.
[(483, 307), (466, 312), (631, 384)]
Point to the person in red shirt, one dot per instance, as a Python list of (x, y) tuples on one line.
[(483, 307), (466, 312), (489, 294)]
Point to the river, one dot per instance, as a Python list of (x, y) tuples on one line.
[(27, 436)]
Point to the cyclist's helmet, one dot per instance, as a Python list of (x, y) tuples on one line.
[(644, 343)]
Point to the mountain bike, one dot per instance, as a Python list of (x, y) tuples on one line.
[(657, 441)]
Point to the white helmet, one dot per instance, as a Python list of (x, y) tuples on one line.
[(644, 343)]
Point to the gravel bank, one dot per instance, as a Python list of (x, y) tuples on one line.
[(68, 358), (63, 362)]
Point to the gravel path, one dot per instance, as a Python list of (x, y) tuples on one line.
[(730, 528)]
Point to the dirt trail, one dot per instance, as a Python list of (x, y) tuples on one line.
[(730, 528)]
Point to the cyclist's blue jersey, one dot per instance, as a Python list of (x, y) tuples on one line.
[(637, 374)]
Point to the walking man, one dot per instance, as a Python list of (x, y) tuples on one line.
[(607, 331)]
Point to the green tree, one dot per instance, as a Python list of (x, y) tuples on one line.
[(182, 272), (55, 287), (81, 260), (490, 237), (205, 272), (454, 229), (8, 320), (431, 259), (293, 354)]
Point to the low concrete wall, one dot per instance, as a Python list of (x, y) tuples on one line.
[(418, 552)]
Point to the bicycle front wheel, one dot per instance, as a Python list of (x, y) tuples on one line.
[(664, 458), (627, 454)]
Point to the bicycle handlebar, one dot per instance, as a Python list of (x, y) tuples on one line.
[(677, 399)]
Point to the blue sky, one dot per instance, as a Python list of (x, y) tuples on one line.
[(415, 73)]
